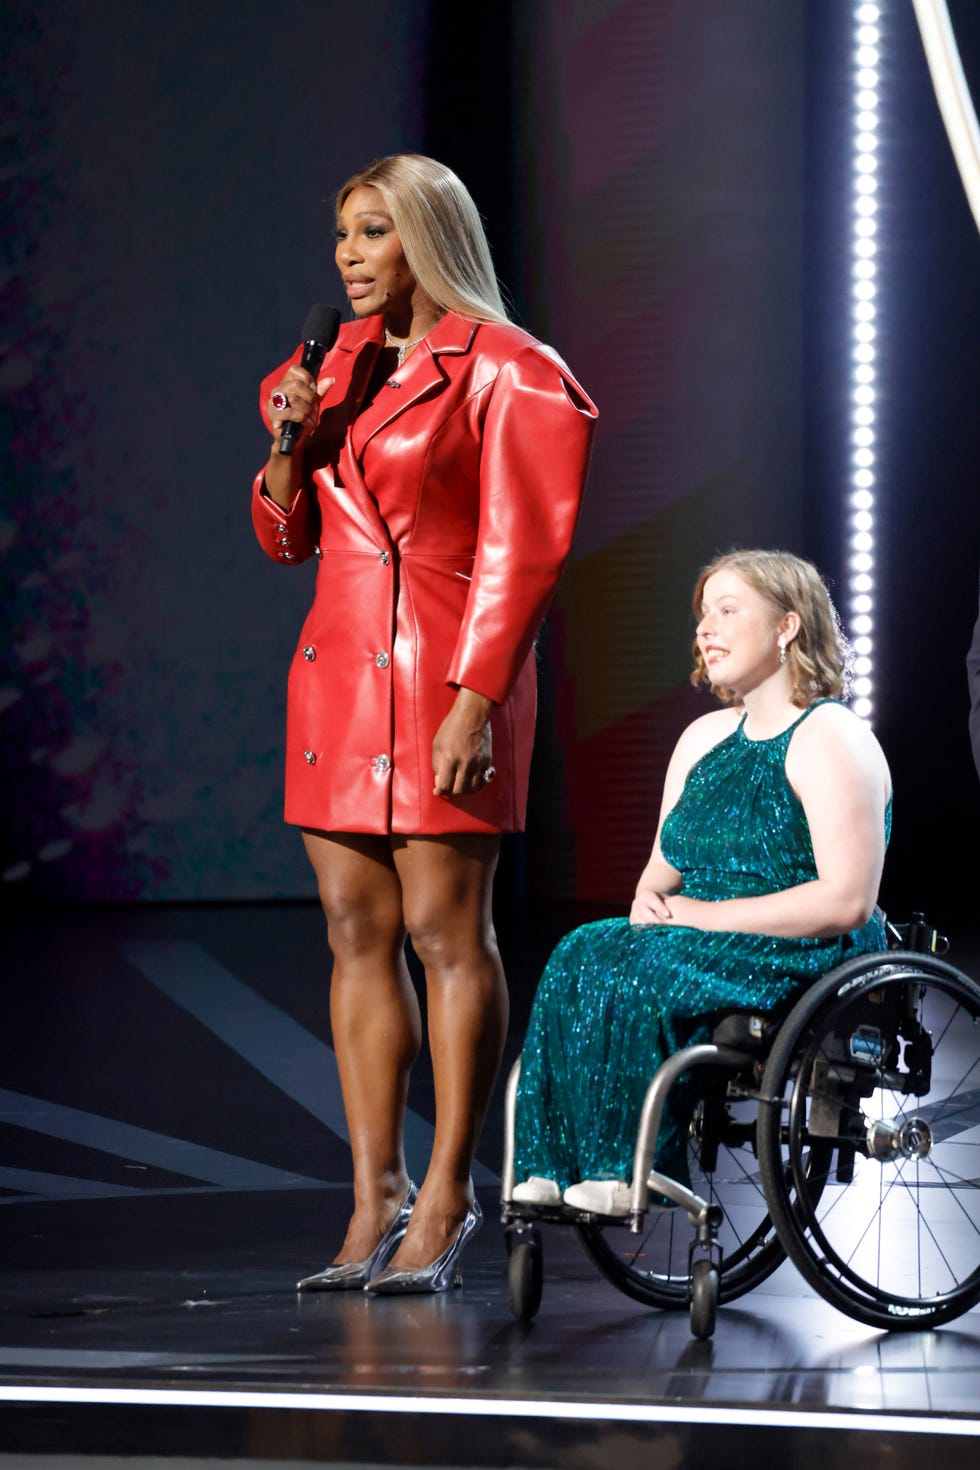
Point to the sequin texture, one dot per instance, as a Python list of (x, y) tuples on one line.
[(614, 1000)]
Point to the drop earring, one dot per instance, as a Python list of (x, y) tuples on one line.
[(782, 650)]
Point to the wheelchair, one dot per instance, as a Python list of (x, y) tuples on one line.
[(843, 1134)]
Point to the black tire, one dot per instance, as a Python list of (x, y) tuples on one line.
[(878, 1063), (525, 1275), (704, 1298), (653, 1267)]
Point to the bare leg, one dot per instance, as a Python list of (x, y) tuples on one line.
[(447, 888), (374, 1017)]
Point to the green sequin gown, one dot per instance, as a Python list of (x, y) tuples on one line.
[(614, 1000)]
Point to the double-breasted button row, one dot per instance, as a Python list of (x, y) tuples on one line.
[(286, 556)]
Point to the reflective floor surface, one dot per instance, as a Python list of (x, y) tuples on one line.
[(173, 1158)]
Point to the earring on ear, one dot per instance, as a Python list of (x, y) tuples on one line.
[(782, 650)]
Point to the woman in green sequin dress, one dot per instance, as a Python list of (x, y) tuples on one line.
[(764, 875)]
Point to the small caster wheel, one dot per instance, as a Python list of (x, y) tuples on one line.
[(524, 1274), (704, 1298)]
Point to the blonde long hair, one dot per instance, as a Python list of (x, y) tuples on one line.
[(819, 658), (440, 231)]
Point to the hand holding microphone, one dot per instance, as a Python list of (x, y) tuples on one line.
[(296, 392)]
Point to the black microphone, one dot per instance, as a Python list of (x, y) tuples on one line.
[(319, 334)]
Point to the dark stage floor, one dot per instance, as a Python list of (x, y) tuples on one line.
[(173, 1158)]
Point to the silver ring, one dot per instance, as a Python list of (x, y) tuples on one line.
[(279, 401), (489, 774)]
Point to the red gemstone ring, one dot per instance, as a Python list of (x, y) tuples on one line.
[(279, 401)]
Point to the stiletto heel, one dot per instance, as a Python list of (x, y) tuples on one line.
[(438, 1275), (353, 1275)]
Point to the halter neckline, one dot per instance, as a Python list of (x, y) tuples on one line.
[(765, 739)]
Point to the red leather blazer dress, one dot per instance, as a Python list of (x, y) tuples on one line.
[(442, 514)]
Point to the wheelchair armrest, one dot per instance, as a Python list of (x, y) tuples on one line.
[(748, 1031)]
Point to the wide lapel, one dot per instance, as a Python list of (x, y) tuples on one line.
[(347, 487), (422, 373)]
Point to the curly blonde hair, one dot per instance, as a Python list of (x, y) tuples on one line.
[(440, 231), (819, 658)]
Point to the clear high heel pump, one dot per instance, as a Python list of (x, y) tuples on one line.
[(354, 1275), (438, 1275)]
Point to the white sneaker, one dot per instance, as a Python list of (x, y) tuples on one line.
[(536, 1191), (611, 1197)]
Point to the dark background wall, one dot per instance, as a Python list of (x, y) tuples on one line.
[(928, 436), (169, 218), (665, 187)]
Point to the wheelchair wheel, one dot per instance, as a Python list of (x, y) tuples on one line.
[(654, 1266), (704, 1298), (877, 1071), (525, 1273)]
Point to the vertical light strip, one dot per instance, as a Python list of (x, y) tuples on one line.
[(861, 493)]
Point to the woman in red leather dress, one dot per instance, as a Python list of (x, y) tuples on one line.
[(438, 475)]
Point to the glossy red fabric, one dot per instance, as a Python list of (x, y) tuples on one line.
[(442, 517)]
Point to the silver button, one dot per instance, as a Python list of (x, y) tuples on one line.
[(384, 558), (309, 653), (286, 556), (284, 541), (382, 763), (392, 383), (317, 552), (310, 757), (382, 660), (281, 527)]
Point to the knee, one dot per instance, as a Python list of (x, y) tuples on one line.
[(432, 946), (359, 925), (447, 941)]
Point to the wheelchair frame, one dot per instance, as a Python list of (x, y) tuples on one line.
[(868, 1031)]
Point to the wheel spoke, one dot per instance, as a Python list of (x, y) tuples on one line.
[(894, 1240)]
